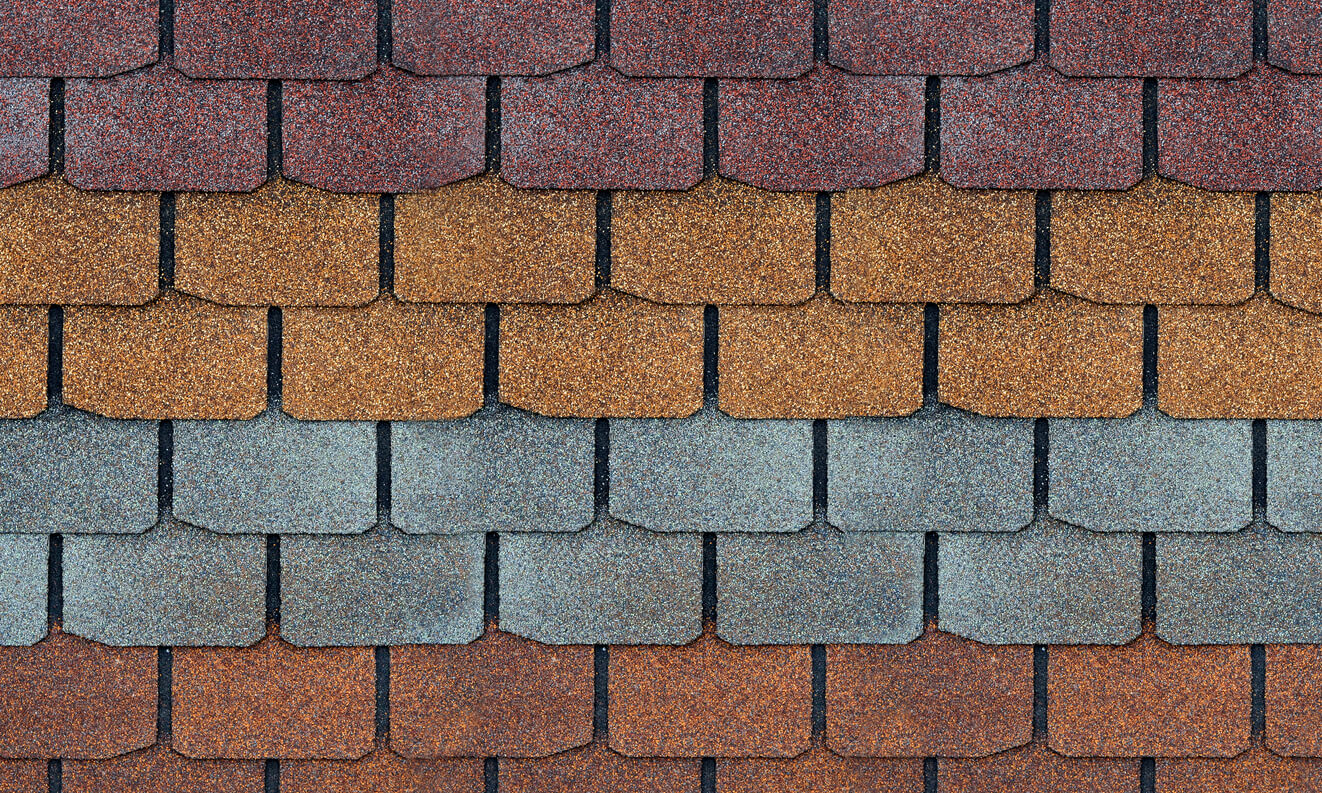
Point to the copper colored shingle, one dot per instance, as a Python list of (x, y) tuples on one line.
[(1294, 700), (159, 769), (940, 695), (823, 359), (921, 240), (386, 360), (1255, 771), (176, 357), (63, 245), (69, 697), (1296, 249), (285, 244), (710, 698), (23, 362), (482, 240), (596, 767), (382, 771), (1161, 242), (1054, 355), (819, 769), (1148, 698), (1259, 359), (274, 700), (1037, 769), (614, 355), (721, 242), (23, 776), (501, 695)]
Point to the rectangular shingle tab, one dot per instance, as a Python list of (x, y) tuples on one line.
[(77, 38), (701, 38), (930, 36), (288, 39), (23, 561), (384, 771), (1174, 38), (24, 116), (492, 36), (23, 361), (160, 768), (1294, 475), (1294, 28)]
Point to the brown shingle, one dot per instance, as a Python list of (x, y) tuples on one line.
[(386, 360), (1148, 698), (23, 361), (721, 242), (69, 697), (819, 770), (1296, 249), (482, 240), (614, 355), (939, 695), (1161, 242), (921, 240), (710, 699), (285, 244), (822, 359), (68, 246), (1260, 359), (1037, 769), (22, 776), (1054, 355), (1255, 771), (597, 768), (274, 700), (1294, 700), (501, 695), (177, 357), (159, 769), (383, 771)]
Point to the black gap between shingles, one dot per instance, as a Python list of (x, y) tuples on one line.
[(819, 471), (822, 254), (1258, 461), (385, 35), (164, 694), (932, 125), (1148, 593), (165, 470), (1147, 775), (1042, 27), (273, 579), (491, 775), (1258, 685), (54, 776), (271, 777), (709, 580), (166, 22), (1042, 239), (55, 357), (929, 775), (55, 580), (1262, 214), (707, 783), (491, 580), (1149, 126), (710, 355), (818, 652), (600, 693), (274, 356), (821, 32), (601, 474), (274, 129), (491, 355), (603, 29), (931, 581), (493, 125), (603, 260), (1150, 319), (55, 150), (383, 473), (386, 243), (166, 263), (1260, 30), (711, 146), (931, 353), (1041, 467), (1041, 661), (382, 658)]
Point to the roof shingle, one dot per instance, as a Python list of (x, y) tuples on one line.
[(1294, 700), (23, 560), (1036, 769), (1296, 266), (1294, 473), (492, 36), (158, 768), (1293, 28), (23, 361), (382, 771), (1130, 38), (818, 769), (77, 38), (942, 37), (596, 767), (303, 39), (25, 117), (1256, 769), (727, 38), (23, 776)]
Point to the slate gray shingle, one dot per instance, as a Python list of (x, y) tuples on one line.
[(501, 470), (710, 472), (174, 585), (938, 470), (1294, 475), (1257, 586), (382, 587), (1049, 584), (275, 474), (1151, 472), (22, 589), (819, 586), (611, 583), (71, 472)]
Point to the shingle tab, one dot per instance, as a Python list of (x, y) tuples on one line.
[(1150, 472), (1294, 28), (275, 475), (382, 587), (610, 583), (596, 767), (818, 769), (23, 776), (1256, 769), (77, 38), (1293, 680), (174, 585), (1036, 769), (23, 561), (727, 38), (492, 36), (709, 472), (23, 361), (24, 115), (941, 470), (1294, 475), (158, 768), (499, 470), (1129, 38), (829, 130), (1296, 241), (70, 472), (302, 39), (931, 36), (1030, 127), (382, 771), (595, 128), (155, 129), (819, 586), (1047, 584)]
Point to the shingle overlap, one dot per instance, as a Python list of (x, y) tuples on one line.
[(381, 771)]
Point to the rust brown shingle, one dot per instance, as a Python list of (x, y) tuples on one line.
[(23, 362)]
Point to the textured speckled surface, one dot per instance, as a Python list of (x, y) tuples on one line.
[(160, 768), (23, 560), (701, 38), (492, 36), (77, 38), (1294, 471), (1129, 38), (302, 39), (23, 113), (381, 771), (930, 37)]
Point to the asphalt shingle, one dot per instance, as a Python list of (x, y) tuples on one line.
[(1294, 475), (1293, 28), (290, 39), (1293, 679), (492, 36), (930, 36), (23, 561), (818, 769), (1296, 249), (1129, 38), (25, 117), (159, 768), (77, 38), (1257, 769), (597, 767), (1036, 769), (381, 771), (701, 38), (23, 361)]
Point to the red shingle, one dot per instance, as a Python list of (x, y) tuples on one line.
[(492, 36), (717, 38), (77, 38), (1294, 28), (930, 36), (1140, 38), (24, 117), (290, 39)]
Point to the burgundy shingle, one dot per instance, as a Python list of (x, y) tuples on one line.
[(1294, 28), (594, 128), (156, 129), (83, 38), (1257, 132), (930, 36), (1140, 38), (392, 132), (1032, 128), (24, 117), (306, 39), (829, 130), (720, 38), (492, 36)]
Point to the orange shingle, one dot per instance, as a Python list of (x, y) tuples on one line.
[(1161, 242), (614, 355), (177, 357), (23, 362), (1054, 355), (1255, 771), (285, 244), (157, 768), (721, 242), (23, 776), (1294, 700), (382, 771), (921, 240), (482, 240), (1260, 359), (1037, 769), (823, 359), (1296, 249), (819, 769), (386, 360), (597, 768)]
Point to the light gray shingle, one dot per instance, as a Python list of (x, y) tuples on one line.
[(1294, 475), (23, 560)]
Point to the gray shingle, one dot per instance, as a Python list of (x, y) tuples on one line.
[(710, 472), (275, 474), (382, 587), (938, 470), (1257, 586), (498, 470), (69, 471), (819, 586), (1294, 475), (22, 589), (174, 585), (611, 583), (1151, 472), (1049, 584)]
